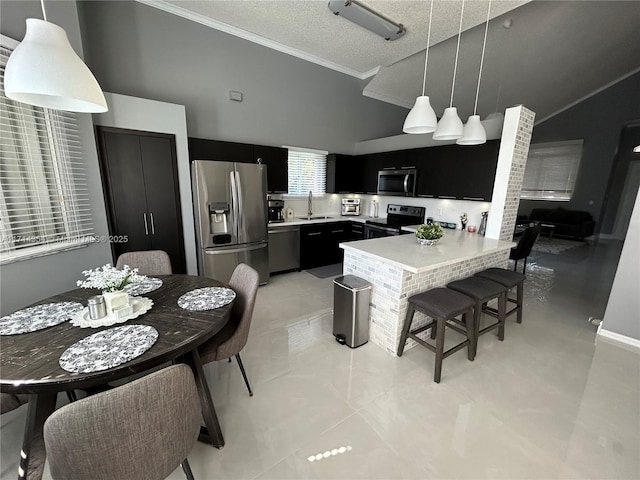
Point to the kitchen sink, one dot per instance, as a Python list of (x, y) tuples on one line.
[(315, 217)]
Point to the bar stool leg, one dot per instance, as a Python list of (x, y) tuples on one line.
[(520, 300), (467, 318), (502, 310), (439, 348), (477, 310), (405, 328), (434, 329)]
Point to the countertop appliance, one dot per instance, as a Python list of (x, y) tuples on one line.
[(284, 248), (350, 206), (397, 217), (230, 202), (275, 212), (400, 182)]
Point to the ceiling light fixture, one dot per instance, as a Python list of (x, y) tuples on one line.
[(474, 132), (45, 71), (450, 126), (422, 118), (367, 18)]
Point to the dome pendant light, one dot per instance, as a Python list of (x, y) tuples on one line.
[(474, 132), (450, 126), (422, 118), (45, 71)]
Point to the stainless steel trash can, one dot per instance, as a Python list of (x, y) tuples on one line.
[(351, 298)]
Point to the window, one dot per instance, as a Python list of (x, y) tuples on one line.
[(44, 199), (551, 171), (307, 171)]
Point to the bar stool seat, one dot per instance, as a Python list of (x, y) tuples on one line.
[(482, 290), (442, 306), (509, 279)]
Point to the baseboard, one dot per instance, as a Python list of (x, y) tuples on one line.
[(622, 340)]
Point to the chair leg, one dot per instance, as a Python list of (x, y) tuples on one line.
[(524, 267), (437, 370), (405, 328), (187, 469), (520, 300), (502, 309), (477, 311), (244, 374), (71, 395), (515, 265), (467, 318)]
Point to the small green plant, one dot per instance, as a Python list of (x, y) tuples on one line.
[(430, 232)]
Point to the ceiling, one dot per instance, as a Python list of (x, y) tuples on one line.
[(554, 53)]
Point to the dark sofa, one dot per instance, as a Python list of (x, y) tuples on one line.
[(568, 223)]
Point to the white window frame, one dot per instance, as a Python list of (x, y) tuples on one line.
[(44, 197), (552, 170), (318, 183)]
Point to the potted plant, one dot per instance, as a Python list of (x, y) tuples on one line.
[(112, 282), (429, 234)]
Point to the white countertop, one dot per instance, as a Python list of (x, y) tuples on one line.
[(405, 252), (332, 218)]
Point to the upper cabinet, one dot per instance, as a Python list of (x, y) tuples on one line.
[(274, 157), (447, 171)]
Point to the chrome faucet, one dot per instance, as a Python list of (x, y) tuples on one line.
[(310, 212)]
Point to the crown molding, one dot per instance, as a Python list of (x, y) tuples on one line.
[(252, 37)]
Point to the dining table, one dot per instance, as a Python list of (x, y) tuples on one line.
[(31, 362)]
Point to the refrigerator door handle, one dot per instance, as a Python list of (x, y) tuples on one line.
[(234, 201), (239, 199), (225, 251)]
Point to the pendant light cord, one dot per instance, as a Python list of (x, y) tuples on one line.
[(426, 57), (484, 44), (44, 13), (455, 65)]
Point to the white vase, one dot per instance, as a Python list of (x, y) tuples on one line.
[(115, 301), (427, 241)]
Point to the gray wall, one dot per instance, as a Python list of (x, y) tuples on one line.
[(28, 281), (599, 121), (141, 51)]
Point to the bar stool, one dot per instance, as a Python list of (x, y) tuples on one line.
[(509, 279), (443, 306), (482, 290)]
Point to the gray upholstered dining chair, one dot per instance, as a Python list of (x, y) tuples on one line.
[(229, 341), (149, 262), (143, 429)]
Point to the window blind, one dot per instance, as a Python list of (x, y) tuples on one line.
[(44, 197), (551, 171), (307, 171)]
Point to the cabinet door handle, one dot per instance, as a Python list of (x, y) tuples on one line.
[(146, 229), (453, 197), (153, 228), (337, 231), (472, 198), (310, 234)]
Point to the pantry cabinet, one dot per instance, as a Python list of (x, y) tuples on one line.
[(140, 182)]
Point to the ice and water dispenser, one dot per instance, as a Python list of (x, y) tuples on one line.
[(219, 223)]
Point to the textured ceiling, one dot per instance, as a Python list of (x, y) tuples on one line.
[(555, 53)]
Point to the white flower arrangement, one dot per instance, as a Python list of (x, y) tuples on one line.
[(110, 279)]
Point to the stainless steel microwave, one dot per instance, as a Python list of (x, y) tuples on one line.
[(398, 182)]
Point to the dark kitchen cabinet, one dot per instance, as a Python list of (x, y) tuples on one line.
[(314, 246), (276, 160), (344, 173), (337, 232), (140, 180), (357, 231)]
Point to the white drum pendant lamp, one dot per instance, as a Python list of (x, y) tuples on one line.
[(450, 126), (474, 132), (45, 71), (422, 118)]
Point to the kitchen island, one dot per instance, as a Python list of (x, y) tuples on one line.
[(399, 267)]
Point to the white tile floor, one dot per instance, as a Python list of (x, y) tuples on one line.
[(545, 403)]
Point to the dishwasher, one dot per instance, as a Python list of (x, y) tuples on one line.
[(284, 248)]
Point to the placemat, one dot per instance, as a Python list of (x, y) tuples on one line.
[(140, 288), (38, 317), (108, 349), (206, 298)]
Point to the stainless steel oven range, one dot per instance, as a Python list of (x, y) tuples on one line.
[(397, 217)]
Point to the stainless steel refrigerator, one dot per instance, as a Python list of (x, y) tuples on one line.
[(230, 201)]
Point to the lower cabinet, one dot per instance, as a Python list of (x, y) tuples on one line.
[(319, 243)]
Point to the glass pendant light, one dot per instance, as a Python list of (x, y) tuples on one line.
[(422, 118), (450, 126), (45, 71), (474, 132)]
